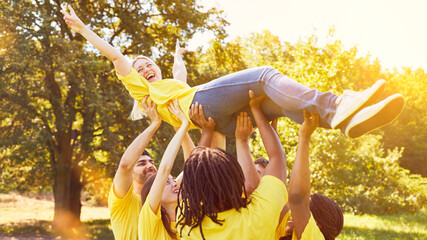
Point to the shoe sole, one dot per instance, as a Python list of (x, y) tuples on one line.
[(377, 117), (375, 92)]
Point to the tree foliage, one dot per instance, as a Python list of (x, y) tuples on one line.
[(64, 114), (360, 174)]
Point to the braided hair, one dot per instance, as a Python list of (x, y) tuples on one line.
[(164, 216), (328, 214), (213, 182)]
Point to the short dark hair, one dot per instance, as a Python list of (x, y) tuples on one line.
[(328, 214), (262, 161), (145, 153)]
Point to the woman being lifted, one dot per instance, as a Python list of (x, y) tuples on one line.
[(355, 113)]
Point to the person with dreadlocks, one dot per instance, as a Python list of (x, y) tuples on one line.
[(314, 217), (214, 201), (160, 192)]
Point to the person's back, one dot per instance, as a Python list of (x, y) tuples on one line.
[(258, 220)]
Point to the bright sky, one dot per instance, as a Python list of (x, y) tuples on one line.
[(394, 31)]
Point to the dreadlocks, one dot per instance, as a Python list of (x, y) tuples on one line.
[(328, 214), (213, 182)]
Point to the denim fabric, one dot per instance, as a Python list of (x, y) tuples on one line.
[(224, 98)]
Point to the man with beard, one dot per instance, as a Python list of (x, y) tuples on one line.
[(136, 165)]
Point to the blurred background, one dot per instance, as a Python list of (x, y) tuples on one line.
[(64, 114)]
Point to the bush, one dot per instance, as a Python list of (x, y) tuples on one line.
[(357, 173)]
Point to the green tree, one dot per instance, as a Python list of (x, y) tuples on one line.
[(409, 131), (360, 174), (64, 114)]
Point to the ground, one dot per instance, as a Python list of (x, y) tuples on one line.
[(30, 217)]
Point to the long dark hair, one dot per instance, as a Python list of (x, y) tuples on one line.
[(213, 182), (165, 218), (328, 214)]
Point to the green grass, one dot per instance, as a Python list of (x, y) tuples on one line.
[(410, 227), (356, 227)]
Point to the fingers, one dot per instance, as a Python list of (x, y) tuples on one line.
[(251, 95), (65, 14), (144, 102), (316, 118), (71, 10), (194, 111)]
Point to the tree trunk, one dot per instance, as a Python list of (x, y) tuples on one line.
[(66, 192)]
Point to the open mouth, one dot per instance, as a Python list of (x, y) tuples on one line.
[(150, 76), (149, 170)]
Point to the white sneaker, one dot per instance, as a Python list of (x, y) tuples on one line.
[(375, 116), (350, 102)]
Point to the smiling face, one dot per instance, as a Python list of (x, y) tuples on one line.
[(143, 169), (170, 192), (147, 69)]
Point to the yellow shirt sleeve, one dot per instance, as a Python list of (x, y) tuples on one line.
[(124, 214), (150, 225), (281, 229), (135, 84), (161, 93), (270, 196), (311, 231)]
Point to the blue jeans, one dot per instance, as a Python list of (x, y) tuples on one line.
[(224, 98)]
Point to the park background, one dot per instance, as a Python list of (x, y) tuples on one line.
[(64, 114)]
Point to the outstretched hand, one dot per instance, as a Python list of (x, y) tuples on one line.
[(150, 109), (255, 102), (72, 20), (244, 127), (311, 122), (197, 115), (179, 50), (176, 110)]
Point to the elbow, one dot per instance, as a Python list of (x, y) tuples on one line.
[(125, 165), (297, 198)]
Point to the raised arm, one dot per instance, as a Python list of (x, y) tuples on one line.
[(299, 183), (179, 71), (168, 158), (196, 114), (121, 64), (244, 129), (277, 156), (123, 178), (187, 146)]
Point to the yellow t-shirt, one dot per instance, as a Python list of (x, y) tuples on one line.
[(281, 228), (257, 221), (124, 214), (150, 225), (161, 93), (311, 230)]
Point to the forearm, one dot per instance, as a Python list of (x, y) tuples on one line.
[(219, 140), (187, 144), (179, 71), (113, 54), (245, 161), (269, 137), (206, 138), (299, 184), (123, 177), (172, 149)]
